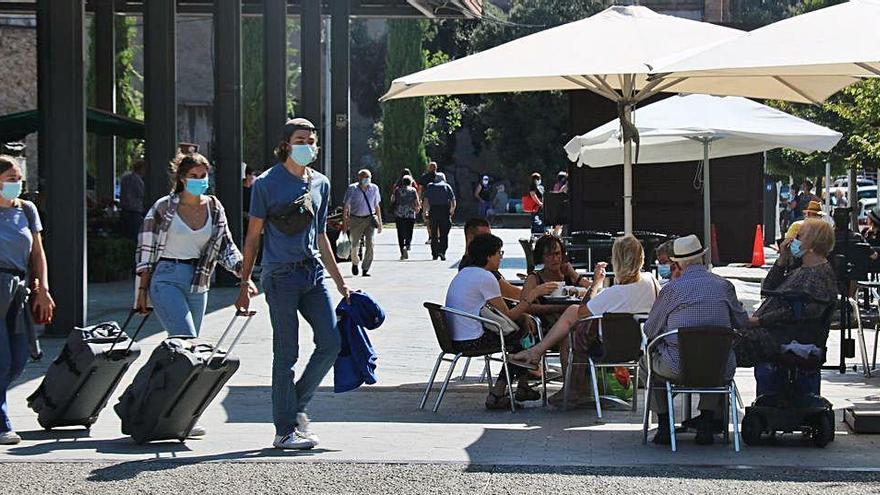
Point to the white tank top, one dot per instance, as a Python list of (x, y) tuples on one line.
[(184, 243)]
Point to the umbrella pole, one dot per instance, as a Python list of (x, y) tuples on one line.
[(707, 206), (627, 177)]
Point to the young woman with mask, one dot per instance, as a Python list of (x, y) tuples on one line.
[(21, 259), (183, 238), (296, 255)]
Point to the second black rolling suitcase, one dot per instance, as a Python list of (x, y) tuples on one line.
[(81, 379), (171, 391)]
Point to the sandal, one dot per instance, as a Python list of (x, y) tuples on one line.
[(525, 394), (522, 363), (500, 402)]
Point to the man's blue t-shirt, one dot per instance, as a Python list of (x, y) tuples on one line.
[(272, 191)]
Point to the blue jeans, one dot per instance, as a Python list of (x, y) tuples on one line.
[(14, 354), (292, 288), (179, 309)]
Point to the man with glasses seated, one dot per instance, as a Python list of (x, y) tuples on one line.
[(696, 298)]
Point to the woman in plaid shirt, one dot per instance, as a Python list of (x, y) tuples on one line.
[(183, 237)]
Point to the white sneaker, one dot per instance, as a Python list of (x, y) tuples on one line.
[(295, 441), (9, 438), (197, 431), (302, 427)]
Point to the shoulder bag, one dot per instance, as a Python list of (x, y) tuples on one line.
[(296, 216), (490, 312), (374, 220)]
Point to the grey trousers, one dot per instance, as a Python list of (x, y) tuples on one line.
[(661, 373), (361, 228)]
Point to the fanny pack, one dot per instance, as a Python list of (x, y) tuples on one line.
[(296, 216)]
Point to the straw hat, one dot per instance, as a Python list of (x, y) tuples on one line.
[(814, 207), (687, 248)]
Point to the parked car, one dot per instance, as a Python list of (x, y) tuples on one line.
[(866, 205)]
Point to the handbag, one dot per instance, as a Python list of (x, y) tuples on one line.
[(490, 312), (753, 346), (343, 247), (297, 215), (374, 221)]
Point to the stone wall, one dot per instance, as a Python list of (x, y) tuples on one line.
[(18, 79)]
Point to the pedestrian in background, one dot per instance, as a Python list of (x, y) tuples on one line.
[(483, 195), (22, 259), (131, 200), (361, 217), (561, 185), (289, 208), (424, 181), (406, 206), (440, 208), (536, 192)]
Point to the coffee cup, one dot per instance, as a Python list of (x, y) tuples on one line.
[(559, 291)]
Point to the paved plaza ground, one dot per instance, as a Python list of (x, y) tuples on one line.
[(375, 439)]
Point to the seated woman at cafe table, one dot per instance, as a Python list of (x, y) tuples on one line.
[(471, 289), (550, 253), (634, 292)]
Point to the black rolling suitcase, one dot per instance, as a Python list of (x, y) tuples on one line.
[(181, 378), (81, 379)]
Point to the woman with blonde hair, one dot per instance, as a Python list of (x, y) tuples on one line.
[(634, 292)]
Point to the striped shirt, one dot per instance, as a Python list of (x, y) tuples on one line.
[(697, 298), (219, 249)]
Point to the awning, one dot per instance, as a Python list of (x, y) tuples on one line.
[(16, 126)]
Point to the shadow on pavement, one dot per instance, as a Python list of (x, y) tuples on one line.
[(128, 470), (62, 440)]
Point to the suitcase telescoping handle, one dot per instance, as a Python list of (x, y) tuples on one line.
[(136, 332), (250, 316)]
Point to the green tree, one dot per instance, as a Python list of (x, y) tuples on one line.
[(524, 130), (252, 107), (129, 100), (403, 121)]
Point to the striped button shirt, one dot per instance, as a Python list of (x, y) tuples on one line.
[(697, 298), (220, 248)]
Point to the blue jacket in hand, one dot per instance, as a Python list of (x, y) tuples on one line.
[(356, 363)]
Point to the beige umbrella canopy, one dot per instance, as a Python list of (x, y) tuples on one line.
[(806, 58), (610, 53)]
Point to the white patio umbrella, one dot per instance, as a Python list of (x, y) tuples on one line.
[(609, 53), (805, 58), (701, 127)]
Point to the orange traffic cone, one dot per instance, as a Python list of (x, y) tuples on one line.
[(758, 247), (716, 260)]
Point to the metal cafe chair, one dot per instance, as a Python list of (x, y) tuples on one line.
[(450, 355), (621, 337), (704, 352)]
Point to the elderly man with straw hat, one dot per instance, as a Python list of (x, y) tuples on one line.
[(696, 298)]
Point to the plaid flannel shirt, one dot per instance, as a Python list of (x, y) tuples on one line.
[(220, 248)]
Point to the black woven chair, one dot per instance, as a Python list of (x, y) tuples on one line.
[(440, 322), (703, 354)]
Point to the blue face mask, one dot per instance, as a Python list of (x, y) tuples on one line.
[(664, 271), (365, 181), (304, 154), (11, 190), (197, 187), (796, 249)]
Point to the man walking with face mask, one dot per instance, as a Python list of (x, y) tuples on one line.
[(361, 217), (289, 205)]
